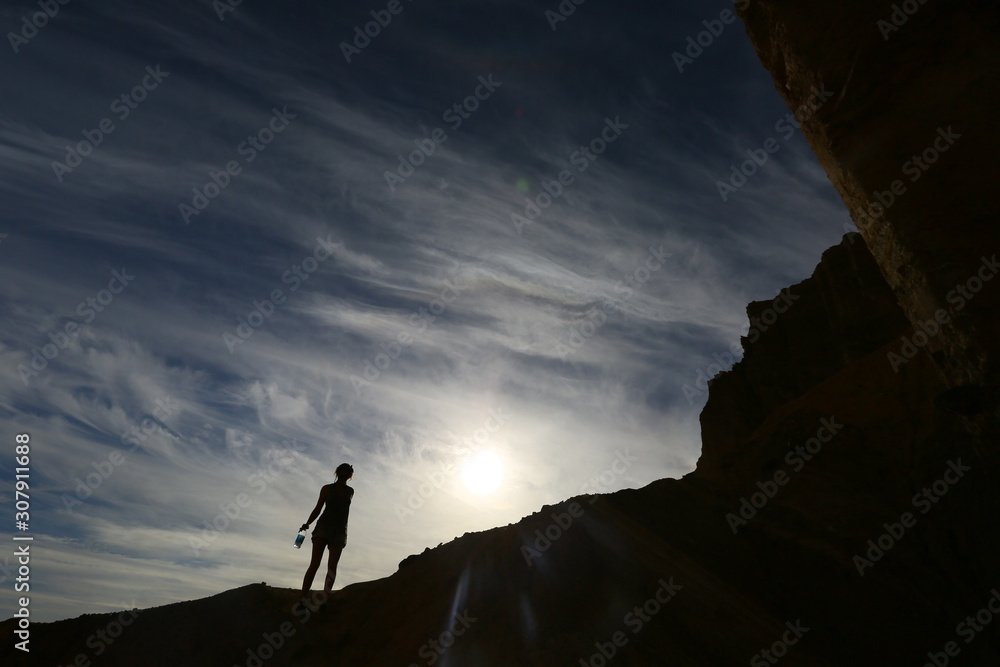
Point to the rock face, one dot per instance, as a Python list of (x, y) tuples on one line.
[(908, 136), (840, 315), (845, 509)]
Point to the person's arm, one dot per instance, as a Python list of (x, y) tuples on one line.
[(318, 508)]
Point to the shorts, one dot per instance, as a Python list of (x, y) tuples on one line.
[(334, 537)]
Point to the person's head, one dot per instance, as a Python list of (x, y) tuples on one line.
[(344, 472)]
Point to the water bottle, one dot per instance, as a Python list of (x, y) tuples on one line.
[(299, 539)]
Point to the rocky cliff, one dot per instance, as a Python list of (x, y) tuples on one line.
[(845, 507), (812, 330), (909, 140)]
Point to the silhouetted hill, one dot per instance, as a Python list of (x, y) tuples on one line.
[(558, 585)]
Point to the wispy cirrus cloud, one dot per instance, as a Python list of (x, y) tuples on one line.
[(272, 417)]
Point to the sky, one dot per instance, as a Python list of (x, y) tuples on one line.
[(481, 253)]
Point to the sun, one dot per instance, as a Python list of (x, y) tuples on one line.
[(482, 473)]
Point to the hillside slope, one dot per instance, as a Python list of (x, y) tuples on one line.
[(662, 566)]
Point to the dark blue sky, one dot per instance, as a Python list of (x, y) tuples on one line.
[(431, 335)]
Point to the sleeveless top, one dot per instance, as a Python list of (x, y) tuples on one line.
[(338, 504)]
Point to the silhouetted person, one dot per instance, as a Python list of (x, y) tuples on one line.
[(331, 529)]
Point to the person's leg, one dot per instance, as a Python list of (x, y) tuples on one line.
[(317, 558), (331, 568)]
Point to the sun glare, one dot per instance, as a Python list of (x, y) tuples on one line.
[(483, 473)]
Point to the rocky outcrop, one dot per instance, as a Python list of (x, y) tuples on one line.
[(809, 332), (908, 137)]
